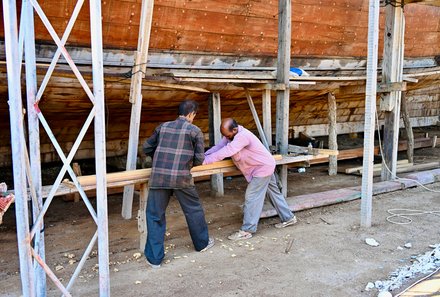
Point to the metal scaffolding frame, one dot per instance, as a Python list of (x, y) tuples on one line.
[(33, 268)]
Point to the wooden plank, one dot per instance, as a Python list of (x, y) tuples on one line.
[(408, 128), (257, 120), (75, 197), (142, 216), (308, 201), (392, 71), (315, 151), (283, 96), (34, 142), (391, 87), (117, 179), (215, 137), (358, 152), (138, 71), (266, 101), (375, 166), (332, 134), (410, 167)]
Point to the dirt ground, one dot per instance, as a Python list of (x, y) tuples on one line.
[(328, 256)]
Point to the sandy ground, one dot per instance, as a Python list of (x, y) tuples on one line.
[(328, 256)]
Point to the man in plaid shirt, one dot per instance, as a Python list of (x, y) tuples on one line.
[(176, 147)]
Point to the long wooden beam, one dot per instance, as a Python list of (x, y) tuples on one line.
[(215, 115), (392, 72), (138, 72), (283, 96), (141, 175)]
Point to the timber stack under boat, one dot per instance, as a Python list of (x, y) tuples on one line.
[(217, 46)]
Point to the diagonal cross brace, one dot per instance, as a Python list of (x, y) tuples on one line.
[(63, 50)]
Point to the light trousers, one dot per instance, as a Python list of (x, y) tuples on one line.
[(256, 192)]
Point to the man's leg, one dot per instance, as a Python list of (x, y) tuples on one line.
[(278, 201), (156, 224), (253, 204), (195, 216)]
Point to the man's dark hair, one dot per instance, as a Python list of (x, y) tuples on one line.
[(188, 106), (232, 124)]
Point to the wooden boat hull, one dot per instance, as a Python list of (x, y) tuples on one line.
[(329, 39)]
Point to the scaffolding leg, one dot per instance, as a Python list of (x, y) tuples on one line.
[(13, 65)]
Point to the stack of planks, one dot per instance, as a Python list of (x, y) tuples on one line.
[(402, 167)]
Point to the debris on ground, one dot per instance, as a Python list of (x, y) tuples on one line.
[(422, 264), (371, 242)]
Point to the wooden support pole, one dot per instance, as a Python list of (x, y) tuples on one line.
[(34, 141), (267, 115), (392, 71), (283, 69), (408, 128), (100, 151), (13, 66), (214, 114), (257, 120), (136, 99), (142, 216), (370, 114), (332, 134)]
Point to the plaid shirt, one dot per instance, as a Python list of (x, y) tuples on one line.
[(176, 147)]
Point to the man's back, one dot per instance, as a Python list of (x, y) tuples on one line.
[(177, 146)]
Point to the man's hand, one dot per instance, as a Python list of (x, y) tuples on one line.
[(207, 160)]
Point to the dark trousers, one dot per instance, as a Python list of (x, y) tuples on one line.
[(156, 222)]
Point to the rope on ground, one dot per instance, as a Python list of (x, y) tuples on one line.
[(402, 216), (405, 216)]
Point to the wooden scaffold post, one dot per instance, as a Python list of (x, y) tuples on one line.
[(370, 114), (138, 71), (392, 72), (13, 65), (215, 136), (332, 134), (34, 142), (283, 69)]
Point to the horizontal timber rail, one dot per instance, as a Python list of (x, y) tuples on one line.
[(139, 176)]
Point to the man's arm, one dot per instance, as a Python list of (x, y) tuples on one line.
[(199, 149), (150, 145), (229, 150), (218, 146)]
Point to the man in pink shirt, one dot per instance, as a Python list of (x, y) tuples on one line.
[(257, 166)]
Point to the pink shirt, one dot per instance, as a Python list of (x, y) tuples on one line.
[(247, 152)]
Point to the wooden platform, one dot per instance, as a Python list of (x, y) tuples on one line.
[(302, 202)]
